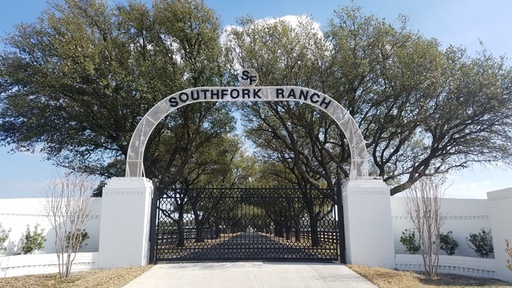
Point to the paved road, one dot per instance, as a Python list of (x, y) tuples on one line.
[(250, 275), (247, 246), (252, 245)]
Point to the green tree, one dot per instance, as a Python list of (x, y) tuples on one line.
[(447, 243), (408, 239), (422, 109), (300, 138), (226, 165), (75, 84), (481, 243), (4, 236), (286, 209), (287, 212), (210, 167), (32, 241)]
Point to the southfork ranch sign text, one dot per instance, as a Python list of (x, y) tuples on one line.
[(359, 165), (252, 94)]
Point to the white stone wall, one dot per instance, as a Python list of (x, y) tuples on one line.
[(500, 208), (468, 266), (126, 211), (11, 266), (464, 216), (16, 214), (368, 227)]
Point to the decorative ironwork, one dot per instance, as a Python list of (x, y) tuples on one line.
[(354, 136), (245, 224)]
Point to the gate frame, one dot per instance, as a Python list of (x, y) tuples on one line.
[(368, 232), (153, 258)]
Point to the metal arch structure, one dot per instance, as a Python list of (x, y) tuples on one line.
[(357, 145)]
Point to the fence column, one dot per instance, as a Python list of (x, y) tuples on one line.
[(341, 223), (125, 222), (500, 213), (367, 216)]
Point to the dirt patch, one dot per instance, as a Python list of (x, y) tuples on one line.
[(387, 278), (116, 277)]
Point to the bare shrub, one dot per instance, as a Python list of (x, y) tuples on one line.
[(423, 206), (68, 202)]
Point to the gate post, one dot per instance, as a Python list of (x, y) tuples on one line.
[(367, 215), (125, 222), (341, 223)]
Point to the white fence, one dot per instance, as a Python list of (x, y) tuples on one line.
[(469, 266), (16, 214), (464, 216), (43, 263)]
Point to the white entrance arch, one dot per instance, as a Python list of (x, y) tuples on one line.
[(126, 201), (359, 156)]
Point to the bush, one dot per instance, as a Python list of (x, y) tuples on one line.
[(448, 244), (481, 243), (4, 235), (79, 236), (408, 239), (32, 240)]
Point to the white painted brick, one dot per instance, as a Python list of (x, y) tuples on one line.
[(367, 213), (17, 213), (126, 210)]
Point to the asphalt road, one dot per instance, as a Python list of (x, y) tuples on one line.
[(251, 245)]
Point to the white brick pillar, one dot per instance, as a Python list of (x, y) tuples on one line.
[(367, 216), (125, 222), (500, 215)]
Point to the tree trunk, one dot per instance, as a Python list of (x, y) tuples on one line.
[(288, 231), (199, 231), (297, 233), (217, 229), (181, 228), (199, 223), (315, 239), (279, 230), (276, 228)]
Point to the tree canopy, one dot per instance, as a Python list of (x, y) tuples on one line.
[(75, 84), (422, 110)]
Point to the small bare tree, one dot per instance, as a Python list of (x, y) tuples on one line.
[(67, 205), (423, 206)]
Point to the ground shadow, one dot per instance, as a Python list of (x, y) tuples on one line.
[(244, 246)]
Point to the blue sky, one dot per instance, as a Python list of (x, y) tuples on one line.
[(457, 22)]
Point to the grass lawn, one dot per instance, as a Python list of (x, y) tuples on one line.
[(118, 277), (387, 278)]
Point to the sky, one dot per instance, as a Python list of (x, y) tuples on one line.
[(465, 23)]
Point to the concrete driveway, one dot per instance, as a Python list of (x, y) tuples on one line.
[(250, 274)]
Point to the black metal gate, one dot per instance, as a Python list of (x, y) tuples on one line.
[(244, 224)]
